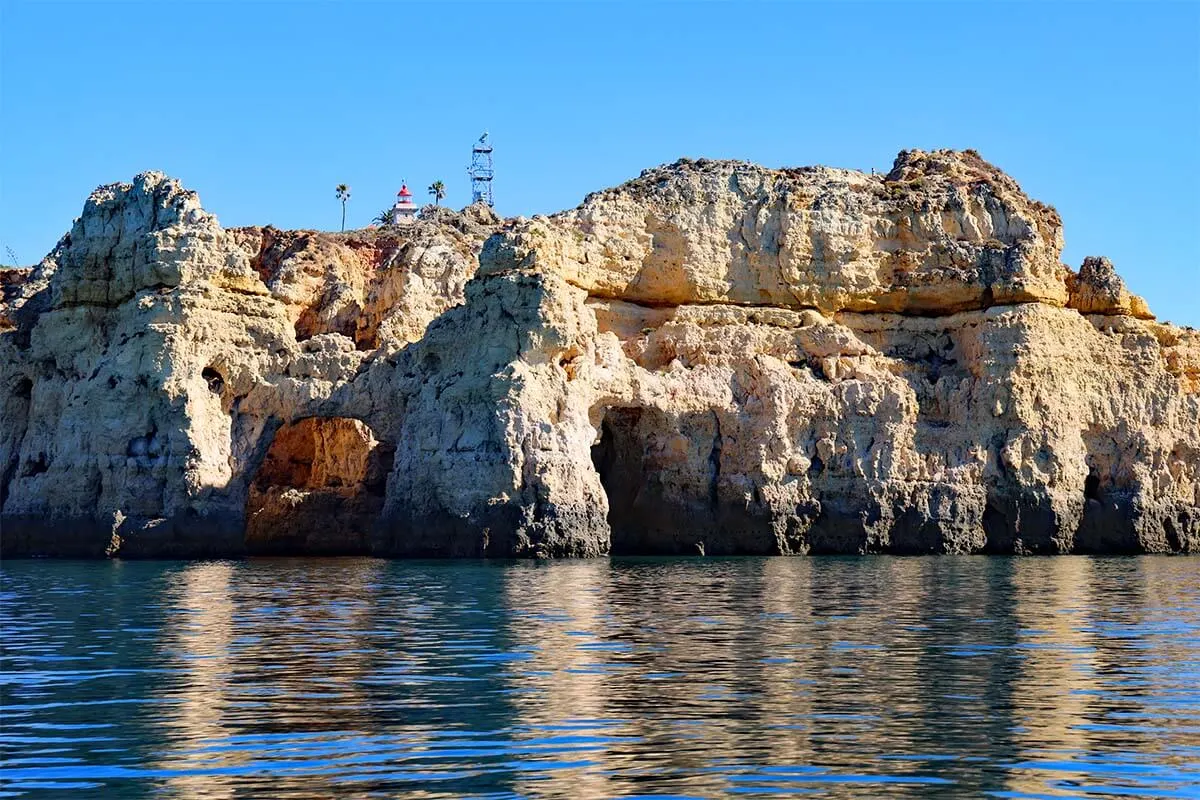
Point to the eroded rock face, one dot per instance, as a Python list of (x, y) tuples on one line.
[(713, 358), (943, 232), (378, 287), (319, 490), (1098, 289), (151, 364)]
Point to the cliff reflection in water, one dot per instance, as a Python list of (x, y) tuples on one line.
[(845, 677)]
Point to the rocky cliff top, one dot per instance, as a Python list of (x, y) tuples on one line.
[(943, 232), (153, 235)]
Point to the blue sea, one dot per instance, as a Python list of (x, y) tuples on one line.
[(824, 677)]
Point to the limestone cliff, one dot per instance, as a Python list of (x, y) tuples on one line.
[(712, 358)]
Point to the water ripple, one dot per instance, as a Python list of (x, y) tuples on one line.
[(838, 678)]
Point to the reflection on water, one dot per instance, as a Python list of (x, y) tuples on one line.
[(857, 677)]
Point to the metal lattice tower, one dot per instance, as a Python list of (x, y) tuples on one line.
[(481, 171)]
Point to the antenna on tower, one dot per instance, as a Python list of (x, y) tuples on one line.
[(481, 171)]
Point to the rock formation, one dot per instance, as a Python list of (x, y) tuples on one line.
[(712, 358)]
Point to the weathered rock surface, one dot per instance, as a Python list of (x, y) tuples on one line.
[(319, 489), (1098, 289), (943, 232), (712, 358)]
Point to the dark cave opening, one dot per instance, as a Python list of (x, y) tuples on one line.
[(618, 458), (214, 379), (662, 474)]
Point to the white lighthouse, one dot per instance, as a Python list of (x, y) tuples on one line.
[(405, 210)]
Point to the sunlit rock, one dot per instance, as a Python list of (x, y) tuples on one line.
[(712, 358)]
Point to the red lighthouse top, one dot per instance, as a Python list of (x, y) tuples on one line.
[(405, 210)]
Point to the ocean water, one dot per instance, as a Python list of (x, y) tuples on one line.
[(823, 677)]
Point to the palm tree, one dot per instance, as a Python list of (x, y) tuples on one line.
[(438, 190), (343, 194), (383, 218)]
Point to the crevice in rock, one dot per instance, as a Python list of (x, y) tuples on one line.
[(714, 464), (7, 472), (36, 466), (995, 526), (815, 467), (157, 288), (152, 449), (18, 412), (986, 302), (1172, 532)]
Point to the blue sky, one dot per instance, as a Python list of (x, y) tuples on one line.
[(263, 108)]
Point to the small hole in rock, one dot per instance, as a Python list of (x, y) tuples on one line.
[(214, 380), (36, 466), (1091, 486)]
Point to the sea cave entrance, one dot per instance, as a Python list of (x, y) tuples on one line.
[(619, 460), (665, 479), (659, 472), (319, 489)]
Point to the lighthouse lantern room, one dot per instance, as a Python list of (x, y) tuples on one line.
[(405, 210)]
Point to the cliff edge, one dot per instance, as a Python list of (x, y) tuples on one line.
[(712, 358)]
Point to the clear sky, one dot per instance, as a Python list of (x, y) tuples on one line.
[(263, 108)]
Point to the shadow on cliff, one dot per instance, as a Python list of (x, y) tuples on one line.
[(662, 476)]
